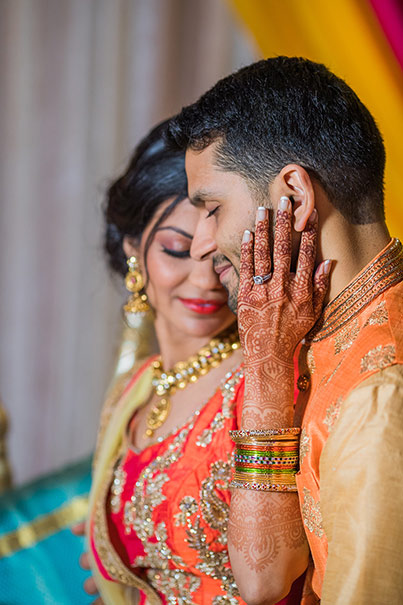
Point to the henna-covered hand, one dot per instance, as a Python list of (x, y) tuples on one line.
[(274, 317)]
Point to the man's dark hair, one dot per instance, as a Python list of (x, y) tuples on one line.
[(290, 110)]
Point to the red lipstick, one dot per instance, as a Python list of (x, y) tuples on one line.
[(201, 306)]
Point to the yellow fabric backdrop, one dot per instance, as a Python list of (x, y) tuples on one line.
[(346, 36)]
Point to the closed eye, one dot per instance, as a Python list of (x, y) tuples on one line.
[(212, 212), (176, 253)]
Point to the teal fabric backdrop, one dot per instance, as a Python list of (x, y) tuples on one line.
[(39, 556)]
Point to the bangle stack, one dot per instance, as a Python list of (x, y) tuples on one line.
[(266, 460)]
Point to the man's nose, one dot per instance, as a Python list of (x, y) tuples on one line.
[(203, 243)]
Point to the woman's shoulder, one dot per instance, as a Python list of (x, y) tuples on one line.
[(119, 386)]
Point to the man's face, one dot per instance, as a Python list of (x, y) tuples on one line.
[(226, 208)]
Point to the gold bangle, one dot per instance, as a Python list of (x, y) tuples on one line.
[(265, 435), (266, 460)]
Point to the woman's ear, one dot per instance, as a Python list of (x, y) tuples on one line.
[(295, 182), (129, 247)]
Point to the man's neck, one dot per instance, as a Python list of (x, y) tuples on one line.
[(351, 248)]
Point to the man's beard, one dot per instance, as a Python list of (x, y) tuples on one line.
[(233, 287), (233, 298)]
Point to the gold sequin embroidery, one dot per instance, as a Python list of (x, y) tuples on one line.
[(385, 271), (332, 414), (165, 570), (117, 487), (214, 511), (228, 391), (345, 337), (310, 360), (304, 445), (328, 377), (379, 316), (378, 358), (311, 514)]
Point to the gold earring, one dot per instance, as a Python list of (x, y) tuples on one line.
[(137, 303)]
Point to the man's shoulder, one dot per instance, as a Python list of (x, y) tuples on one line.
[(394, 307), (379, 332)]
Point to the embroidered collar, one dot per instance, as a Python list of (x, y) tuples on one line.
[(383, 272)]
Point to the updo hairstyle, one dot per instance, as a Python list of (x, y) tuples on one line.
[(155, 173)]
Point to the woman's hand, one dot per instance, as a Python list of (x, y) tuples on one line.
[(274, 317), (266, 538), (89, 584)]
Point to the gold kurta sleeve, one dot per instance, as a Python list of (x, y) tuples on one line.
[(361, 475)]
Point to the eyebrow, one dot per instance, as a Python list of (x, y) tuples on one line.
[(202, 195), (177, 230)]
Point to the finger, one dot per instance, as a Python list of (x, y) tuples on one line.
[(79, 529), (90, 587), (321, 282), (307, 250), (98, 602), (85, 561), (282, 240), (262, 243), (246, 267)]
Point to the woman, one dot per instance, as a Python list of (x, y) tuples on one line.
[(160, 498)]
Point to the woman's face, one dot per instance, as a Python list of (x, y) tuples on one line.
[(185, 294)]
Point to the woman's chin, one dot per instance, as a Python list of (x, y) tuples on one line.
[(207, 326)]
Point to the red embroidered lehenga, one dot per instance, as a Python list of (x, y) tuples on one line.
[(159, 517)]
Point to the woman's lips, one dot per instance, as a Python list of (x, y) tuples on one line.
[(201, 306)]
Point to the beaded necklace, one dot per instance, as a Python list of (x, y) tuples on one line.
[(165, 383)]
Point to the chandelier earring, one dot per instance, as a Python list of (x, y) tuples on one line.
[(137, 304)]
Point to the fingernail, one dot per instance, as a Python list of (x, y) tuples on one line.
[(313, 216), (327, 266), (284, 203), (261, 213), (246, 236)]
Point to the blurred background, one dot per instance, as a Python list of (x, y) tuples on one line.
[(81, 82)]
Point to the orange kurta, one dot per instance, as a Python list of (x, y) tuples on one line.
[(360, 335)]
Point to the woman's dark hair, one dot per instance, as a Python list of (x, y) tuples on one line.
[(155, 173)]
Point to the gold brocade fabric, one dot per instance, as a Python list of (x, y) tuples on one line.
[(351, 454)]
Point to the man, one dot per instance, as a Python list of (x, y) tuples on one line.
[(287, 127)]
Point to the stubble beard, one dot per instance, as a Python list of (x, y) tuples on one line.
[(232, 290), (232, 287)]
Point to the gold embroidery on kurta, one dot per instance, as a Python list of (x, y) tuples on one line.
[(379, 316), (332, 413), (345, 337), (384, 271), (311, 514), (378, 358), (328, 377), (304, 445), (310, 360)]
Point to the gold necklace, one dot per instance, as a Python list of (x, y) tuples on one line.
[(184, 372)]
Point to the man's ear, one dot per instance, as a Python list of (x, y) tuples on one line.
[(129, 247), (295, 182)]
